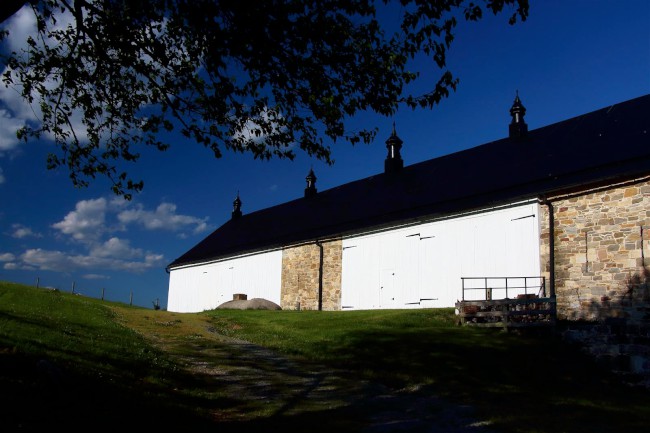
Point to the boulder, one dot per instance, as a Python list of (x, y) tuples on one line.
[(249, 304)]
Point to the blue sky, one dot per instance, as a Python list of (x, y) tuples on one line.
[(567, 59)]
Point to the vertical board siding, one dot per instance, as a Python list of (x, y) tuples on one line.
[(421, 266), (205, 287)]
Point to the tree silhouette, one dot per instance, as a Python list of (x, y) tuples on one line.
[(265, 78)]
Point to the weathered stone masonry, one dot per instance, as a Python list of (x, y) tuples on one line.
[(598, 248), (300, 276)]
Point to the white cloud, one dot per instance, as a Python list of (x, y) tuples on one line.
[(115, 247), (14, 114), (21, 25), (59, 261), (7, 257), (252, 131), (8, 127), (15, 111), (20, 232), (86, 222), (163, 218), (91, 219), (46, 260), (95, 277), (89, 225)]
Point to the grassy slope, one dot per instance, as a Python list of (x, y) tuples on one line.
[(75, 362), (526, 383), (65, 361)]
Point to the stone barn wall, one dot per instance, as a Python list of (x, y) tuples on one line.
[(300, 276), (601, 281), (598, 251)]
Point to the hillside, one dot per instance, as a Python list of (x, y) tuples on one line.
[(76, 363)]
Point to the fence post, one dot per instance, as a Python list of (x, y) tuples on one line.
[(102, 293), (38, 279), (462, 280), (131, 298), (525, 285), (72, 288)]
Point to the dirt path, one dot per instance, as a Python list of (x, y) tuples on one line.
[(256, 388)]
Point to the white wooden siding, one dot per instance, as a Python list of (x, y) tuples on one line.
[(422, 265), (205, 287)]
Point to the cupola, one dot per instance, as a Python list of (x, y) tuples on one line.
[(310, 190), (236, 208), (518, 128), (393, 161)]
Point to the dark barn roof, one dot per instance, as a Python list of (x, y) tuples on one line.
[(606, 145)]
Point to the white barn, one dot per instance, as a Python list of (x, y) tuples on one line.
[(413, 237), (205, 287)]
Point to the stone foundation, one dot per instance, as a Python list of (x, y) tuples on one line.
[(616, 345)]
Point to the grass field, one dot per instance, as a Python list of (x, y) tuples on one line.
[(77, 363)]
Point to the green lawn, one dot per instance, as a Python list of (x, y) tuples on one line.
[(524, 383), (79, 363)]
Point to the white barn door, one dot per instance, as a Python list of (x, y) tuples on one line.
[(388, 295), (421, 266)]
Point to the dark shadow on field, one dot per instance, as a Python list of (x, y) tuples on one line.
[(465, 376), (555, 386), (38, 395)]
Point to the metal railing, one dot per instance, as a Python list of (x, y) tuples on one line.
[(531, 285)]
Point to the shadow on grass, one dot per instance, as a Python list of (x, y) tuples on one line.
[(528, 382), (37, 395), (501, 375)]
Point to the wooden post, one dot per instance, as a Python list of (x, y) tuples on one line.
[(72, 288), (37, 281), (131, 298), (102, 293)]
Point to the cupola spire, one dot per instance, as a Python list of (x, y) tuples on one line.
[(518, 128), (310, 190), (236, 208), (393, 162)]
